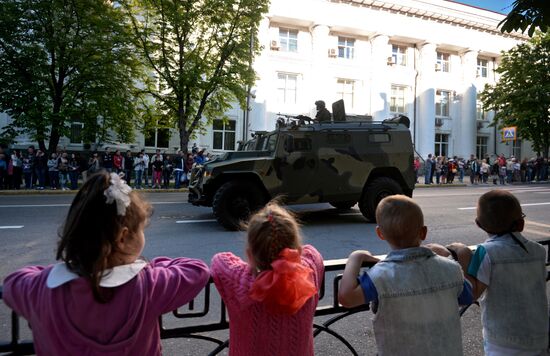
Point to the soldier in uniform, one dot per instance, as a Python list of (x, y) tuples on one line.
[(322, 113)]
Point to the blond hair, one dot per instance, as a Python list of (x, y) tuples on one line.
[(399, 218), (497, 211), (271, 230)]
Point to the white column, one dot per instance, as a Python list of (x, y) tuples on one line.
[(320, 81), (425, 129), (466, 138), (380, 86)]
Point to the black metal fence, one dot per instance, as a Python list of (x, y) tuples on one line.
[(197, 330)]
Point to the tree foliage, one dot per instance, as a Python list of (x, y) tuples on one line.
[(522, 95), (200, 53), (527, 14), (63, 61)]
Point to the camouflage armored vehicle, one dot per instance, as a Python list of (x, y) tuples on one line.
[(343, 162)]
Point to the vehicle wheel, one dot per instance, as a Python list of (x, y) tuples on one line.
[(343, 205), (234, 202), (375, 191)]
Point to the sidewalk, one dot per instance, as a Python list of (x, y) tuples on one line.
[(66, 192)]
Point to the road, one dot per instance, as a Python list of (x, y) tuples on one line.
[(29, 225)]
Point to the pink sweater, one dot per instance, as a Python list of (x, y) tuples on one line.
[(252, 330), (66, 320)]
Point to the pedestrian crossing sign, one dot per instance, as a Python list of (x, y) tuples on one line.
[(509, 133)]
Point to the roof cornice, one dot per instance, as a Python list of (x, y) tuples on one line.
[(436, 16)]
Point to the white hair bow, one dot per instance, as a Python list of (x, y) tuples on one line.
[(118, 192)]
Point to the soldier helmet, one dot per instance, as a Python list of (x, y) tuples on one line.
[(320, 104)]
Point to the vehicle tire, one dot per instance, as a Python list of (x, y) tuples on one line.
[(343, 205), (234, 202), (375, 191)]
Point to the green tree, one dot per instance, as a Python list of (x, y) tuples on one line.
[(527, 14), (522, 95), (64, 61), (200, 54)]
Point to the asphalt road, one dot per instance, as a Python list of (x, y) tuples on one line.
[(29, 225)]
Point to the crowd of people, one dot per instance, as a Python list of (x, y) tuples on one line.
[(271, 296), (488, 170), (34, 169)]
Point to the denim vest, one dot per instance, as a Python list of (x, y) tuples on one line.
[(514, 306), (417, 304)]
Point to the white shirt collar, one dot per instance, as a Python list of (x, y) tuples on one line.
[(113, 277)]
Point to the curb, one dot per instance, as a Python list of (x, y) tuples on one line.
[(73, 192)]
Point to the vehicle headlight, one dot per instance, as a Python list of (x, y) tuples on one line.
[(207, 173)]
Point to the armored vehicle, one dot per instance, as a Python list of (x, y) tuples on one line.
[(343, 162)]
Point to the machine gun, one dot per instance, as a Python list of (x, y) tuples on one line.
[(284, 120)]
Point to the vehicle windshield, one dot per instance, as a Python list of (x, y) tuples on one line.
[(261, 143)]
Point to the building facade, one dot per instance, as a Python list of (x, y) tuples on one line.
[(426, 59)]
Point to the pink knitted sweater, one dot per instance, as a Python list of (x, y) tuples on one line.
[(252, 330)]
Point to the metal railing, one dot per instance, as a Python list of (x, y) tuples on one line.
[(197, 330)]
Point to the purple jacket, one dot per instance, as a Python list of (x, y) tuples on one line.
[(66, 320)]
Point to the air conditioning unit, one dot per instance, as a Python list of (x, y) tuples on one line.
[(275, 45), (479, 125), (438, 121), (332, 52), (391, 61), (438, 67)]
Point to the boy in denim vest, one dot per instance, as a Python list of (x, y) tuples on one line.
[(509, 272), (414, 292)]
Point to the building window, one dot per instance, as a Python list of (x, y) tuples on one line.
[(286, 88), (480, 113), (75, 135), (346, 47), (482, 68), (224, 135), (399, 55), (288, 40), (481, 146), (516, 149), (158, 137), (442, 62), (441, 144), (397, 99), (442, 103), (345, 90)]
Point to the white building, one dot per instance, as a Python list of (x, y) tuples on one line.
[(426, 59)]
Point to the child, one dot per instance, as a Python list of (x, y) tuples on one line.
[(414, 291), (271, 299), (509, 271), (102, 299)]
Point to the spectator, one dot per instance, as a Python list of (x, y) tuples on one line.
[(438, 165), (53, 171), (166, 171), (118, 164), (31, 155), (16, 170), (509, 271), (74, 170), (461, 168), (103, 298), (63, 167), (484, 171), (428, 170), (27, 172), (199, 158), (128, 164), (93, 164), (157, 170), (107, 160), (277, 287), (139, 167), (146, 161), (416, 164), (3, 171), (40, 168), (516, 166), (509, 170), (523, 170), (179, 168), (410, 277), (189, 162)]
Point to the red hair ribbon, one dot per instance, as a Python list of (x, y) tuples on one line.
[(285, 288)]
